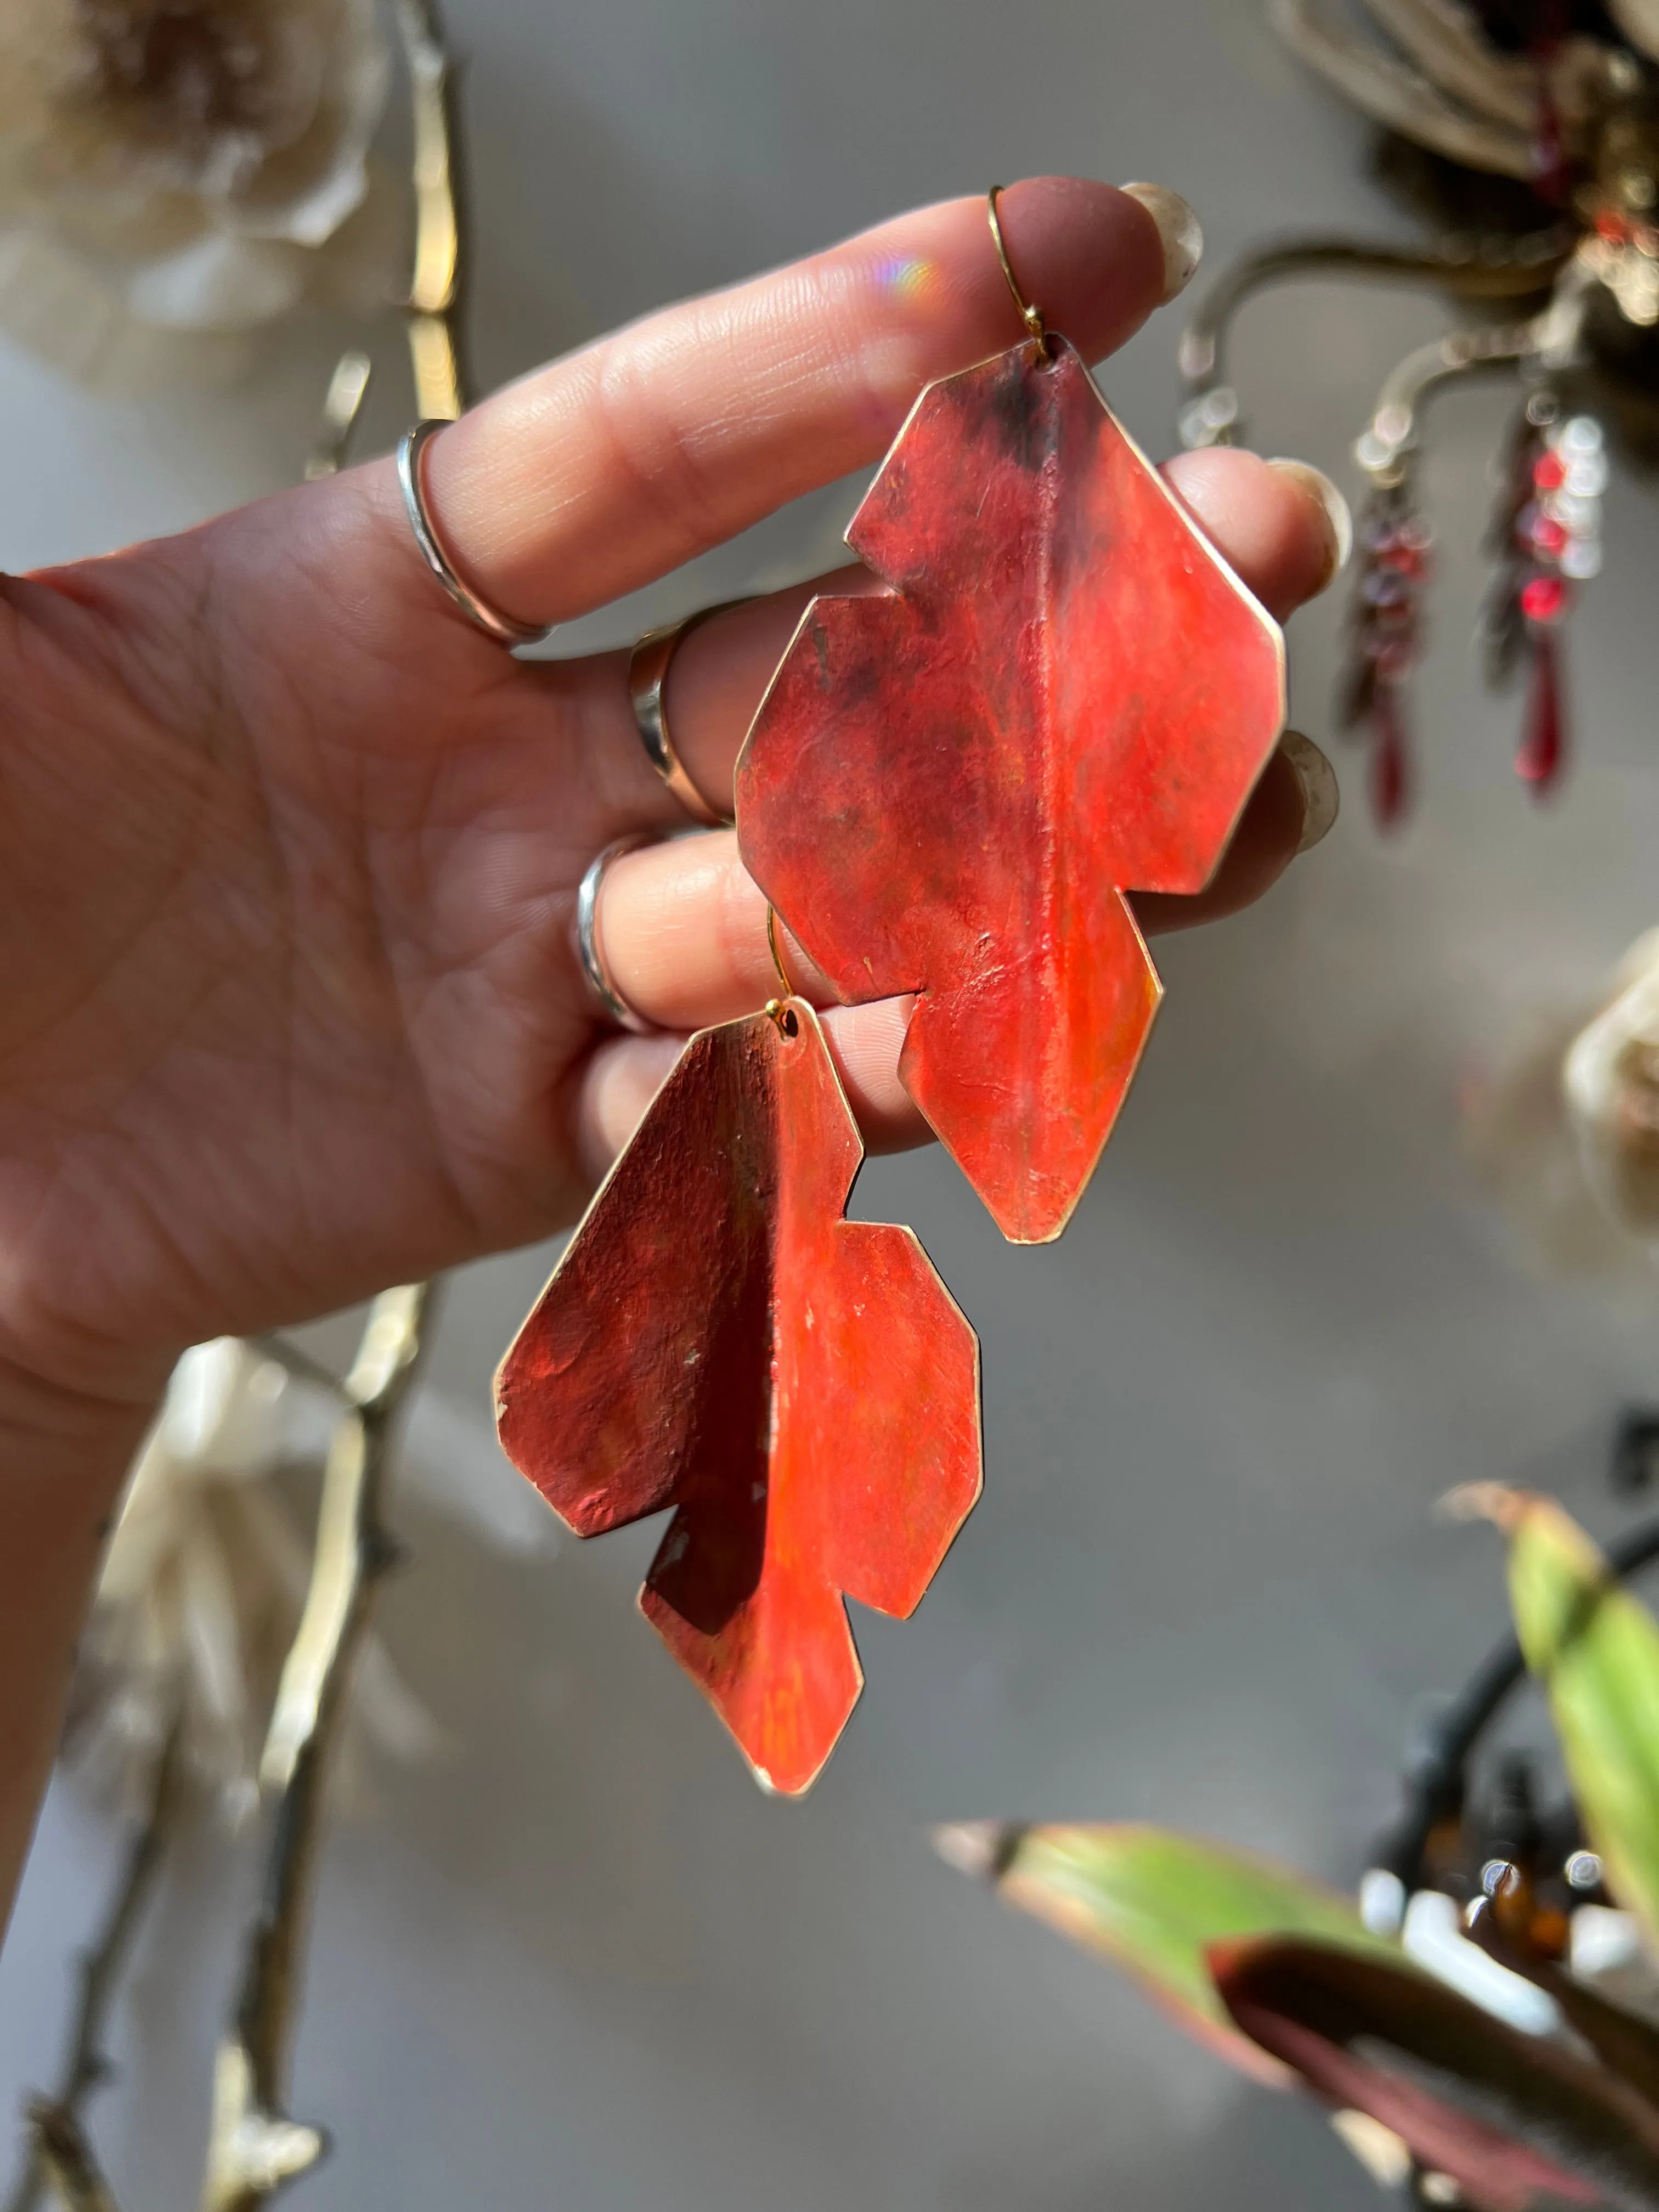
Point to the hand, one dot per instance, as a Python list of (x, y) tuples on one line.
[(291, 849), (288, 850)]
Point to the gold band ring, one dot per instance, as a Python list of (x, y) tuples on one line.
[(590, 941), (412, 478), (648, 676)]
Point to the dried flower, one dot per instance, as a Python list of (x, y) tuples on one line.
[(176, 173), (1567, 1127), (201, 1588), (1610, 1079)]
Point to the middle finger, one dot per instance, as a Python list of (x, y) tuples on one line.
[(683, 925)]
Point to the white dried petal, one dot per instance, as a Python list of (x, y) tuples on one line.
[(1567, 1127), (177, 171), (201, 1588), (1385, 2156), (1610, 1079), (1603, 1941)]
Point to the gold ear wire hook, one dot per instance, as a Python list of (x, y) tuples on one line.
[(1031, 316), (776, 1008)]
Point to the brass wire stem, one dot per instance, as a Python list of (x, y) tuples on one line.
[(255, 2150), (57, 2155), (1543, 345), (1385, 449), (435, 287), (66, 2164), (1473, 269), (432, 305), (347, 390)]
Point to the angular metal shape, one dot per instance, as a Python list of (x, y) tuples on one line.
[(803, 1388), (1067, 695)]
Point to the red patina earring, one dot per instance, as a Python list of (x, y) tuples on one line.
[(1067, 695), (719, 1338), (947, 791)]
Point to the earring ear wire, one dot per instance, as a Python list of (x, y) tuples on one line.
[(1030, 315)]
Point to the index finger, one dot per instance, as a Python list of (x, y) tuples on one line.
[(602, 471)]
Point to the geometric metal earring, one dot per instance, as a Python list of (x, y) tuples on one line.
[(948, 790), (1064, 695), (802, 1389)]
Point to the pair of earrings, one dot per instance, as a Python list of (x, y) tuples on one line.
[(948, 790)]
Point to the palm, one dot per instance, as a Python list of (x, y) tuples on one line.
[(291, 1013)]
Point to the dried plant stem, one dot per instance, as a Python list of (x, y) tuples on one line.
[(435, 287), (59, 2155), (255, 2149), (66, 2162), (432, 306)]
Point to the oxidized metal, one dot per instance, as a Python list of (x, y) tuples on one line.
[(1066, 696), (804, 1390)]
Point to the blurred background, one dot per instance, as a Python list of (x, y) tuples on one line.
[(575, 1960)]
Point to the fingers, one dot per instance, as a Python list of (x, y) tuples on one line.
[(683, 931), (1275, 523), (1281, 525), (683, 926), (1291, 808), (607, 469)]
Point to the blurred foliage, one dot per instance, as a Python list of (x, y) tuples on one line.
[(1469, 2049)]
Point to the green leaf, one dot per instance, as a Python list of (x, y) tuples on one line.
[(1153, 1902), (1597, 1651)]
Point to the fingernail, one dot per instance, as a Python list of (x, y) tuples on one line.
[(1337, 515), (1316, 779), (1180, 229)]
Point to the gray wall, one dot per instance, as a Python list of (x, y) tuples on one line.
[(582, 1964)]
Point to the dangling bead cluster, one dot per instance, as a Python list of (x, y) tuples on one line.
[(1385, 640), (1547, 539)]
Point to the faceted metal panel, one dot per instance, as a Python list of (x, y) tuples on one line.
[(1065, 695), (802, 1388)]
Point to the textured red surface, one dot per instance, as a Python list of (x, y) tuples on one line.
[(1065, 695), (802, 1388)]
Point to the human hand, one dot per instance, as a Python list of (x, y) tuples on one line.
[(291, 849)]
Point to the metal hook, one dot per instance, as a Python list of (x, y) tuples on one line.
[(1031, 316), (778, 1010)]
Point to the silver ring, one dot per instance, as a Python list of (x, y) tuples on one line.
[(596, 970), (648, 676), (411, 477)]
